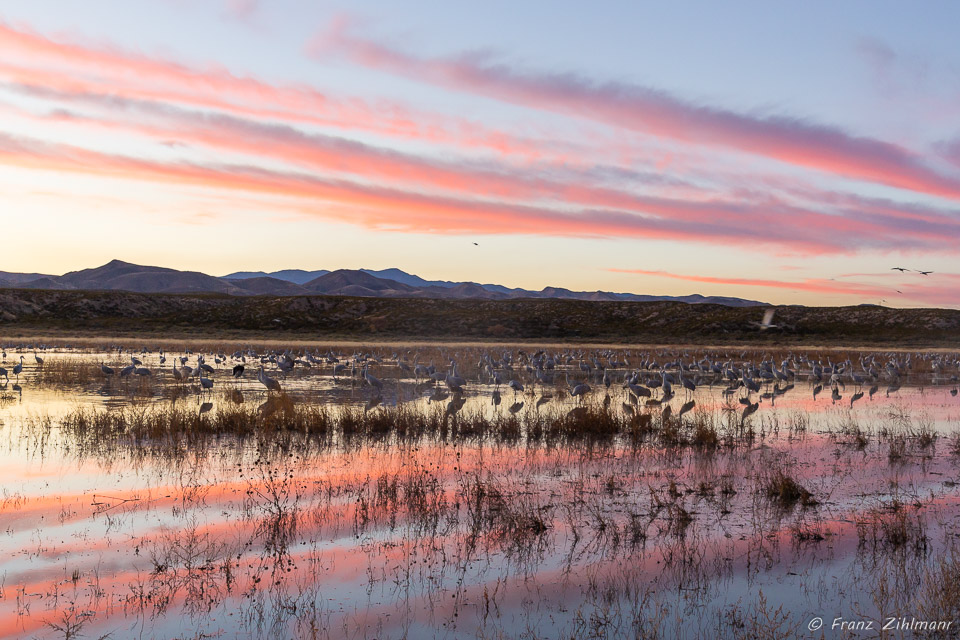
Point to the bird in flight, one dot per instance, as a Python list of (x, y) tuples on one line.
[(924, 273), (475, 244), (767, 320), (900, 269)]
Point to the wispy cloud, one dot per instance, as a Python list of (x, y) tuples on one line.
[(380, 164), (33, 59), (789, 139), (696, 218), (393, 208), (945, 292), (242, 10)]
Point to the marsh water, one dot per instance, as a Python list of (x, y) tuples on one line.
[(366, 501)]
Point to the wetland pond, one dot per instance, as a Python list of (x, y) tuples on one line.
[(382, 492)]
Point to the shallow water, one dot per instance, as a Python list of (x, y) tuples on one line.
[(443, 534)]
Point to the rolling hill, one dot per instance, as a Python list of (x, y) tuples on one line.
[(117, 275), (32, 312)]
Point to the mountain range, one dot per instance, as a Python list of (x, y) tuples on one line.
[(386, 283)]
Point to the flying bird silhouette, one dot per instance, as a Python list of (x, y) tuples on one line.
[(924, 273), (900, 269), (767, 320)]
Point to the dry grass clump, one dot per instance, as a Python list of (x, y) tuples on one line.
[(785, 491), (904, 429), (805, 533), (182, 423), (859, 438), (759, 621), (500, 516), (955, 444), (667, 504), (897, 449), (893, 526), (705, 435), (67, 372), (939, 595)]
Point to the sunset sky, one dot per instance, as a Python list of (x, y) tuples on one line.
[(790, 153)]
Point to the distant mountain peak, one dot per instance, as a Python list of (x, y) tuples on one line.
[(393, 282)]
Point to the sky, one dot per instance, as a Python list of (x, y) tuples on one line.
[(790, 153)]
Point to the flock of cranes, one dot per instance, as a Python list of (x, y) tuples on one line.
[(650, 378), (17, 370)]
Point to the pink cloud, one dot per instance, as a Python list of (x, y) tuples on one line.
[(650, 111), (731, 221), (692, 216), (944, 292), (256, 123), (33, 59), (374, 206)]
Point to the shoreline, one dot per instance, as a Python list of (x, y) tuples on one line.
[(90, 339)]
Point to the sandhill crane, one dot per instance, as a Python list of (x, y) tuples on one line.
[(580, 390), (270, 383), (453, 381), (38, 359), (238, 371), (420, 371), (638, 391), (17, 368), (372, 380), (105, 370), (667, 388), (767, 320)]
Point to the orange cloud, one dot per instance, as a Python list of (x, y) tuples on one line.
[(403, 209), (947, 292), (693, 216)]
